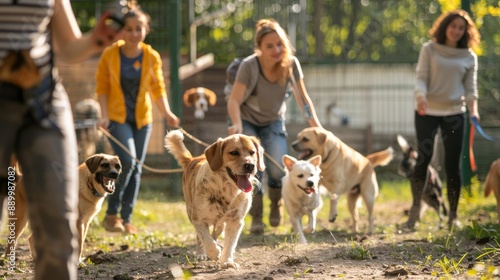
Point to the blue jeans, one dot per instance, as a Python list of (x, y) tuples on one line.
[(273, 140), (136, 141)]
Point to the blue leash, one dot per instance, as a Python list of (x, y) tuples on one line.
[(480, 129)]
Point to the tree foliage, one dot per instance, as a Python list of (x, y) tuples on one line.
[(342, 31)]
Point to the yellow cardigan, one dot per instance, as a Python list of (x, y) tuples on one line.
[(152, 83)]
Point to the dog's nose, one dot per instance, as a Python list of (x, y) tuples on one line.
[(113, 175), (248, 167), (310, 183)]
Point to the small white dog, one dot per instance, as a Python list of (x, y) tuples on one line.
[(301, 192)]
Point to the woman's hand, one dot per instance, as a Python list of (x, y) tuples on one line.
[(235, 129), (422, 105), (106, 31), (172, 120), (103, 122)]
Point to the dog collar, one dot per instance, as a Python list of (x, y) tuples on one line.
[(93, 190), (327, 156)]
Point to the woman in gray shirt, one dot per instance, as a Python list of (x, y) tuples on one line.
[(256, 106), (445, 87)]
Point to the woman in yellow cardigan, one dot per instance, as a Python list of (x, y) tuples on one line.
[(129, 75)]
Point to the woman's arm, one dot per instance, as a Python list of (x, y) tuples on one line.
[(68, 41), (233, 107), (304, 101), (164, 107), (421, 81), (103, 102)]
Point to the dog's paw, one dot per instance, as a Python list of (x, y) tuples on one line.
[(230, 264), (201, 257), (332, 218), (309, 230), (214, 253)]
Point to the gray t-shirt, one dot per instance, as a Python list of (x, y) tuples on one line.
[(266, 104)]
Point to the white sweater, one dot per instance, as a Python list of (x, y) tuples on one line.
[(446, 77)]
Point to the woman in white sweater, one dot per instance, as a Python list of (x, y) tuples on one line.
[(445, 87)]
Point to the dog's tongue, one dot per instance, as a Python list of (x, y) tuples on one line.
[(304, 155), (243, 183)]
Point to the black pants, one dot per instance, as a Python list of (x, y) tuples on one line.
[(452, 133)]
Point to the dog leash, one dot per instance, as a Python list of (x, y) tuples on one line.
[(171, 170), (134, 158), (475, 126), (479, 129)]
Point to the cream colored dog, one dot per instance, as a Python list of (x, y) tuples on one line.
[(344, 170), (217, 188), (300, 193), (98, 176), (492, 183)]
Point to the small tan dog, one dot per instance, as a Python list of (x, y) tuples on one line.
[(217, 187), (492, 182), (300, 193), (344, 170), (98, 176)]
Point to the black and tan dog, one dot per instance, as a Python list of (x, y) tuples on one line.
[(98, 176), (217, 187), (432, 194), (344, 170)]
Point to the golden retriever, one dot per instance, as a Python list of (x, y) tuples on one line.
[(344, 170), (217, 187), (98, 176), (492, 182)]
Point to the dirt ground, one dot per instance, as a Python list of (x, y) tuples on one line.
[(389, 253)]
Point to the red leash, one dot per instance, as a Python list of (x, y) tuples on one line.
[(473, 166)]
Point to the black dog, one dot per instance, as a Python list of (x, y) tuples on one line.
[(432, 193)]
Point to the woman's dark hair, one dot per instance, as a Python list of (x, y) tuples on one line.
[(135, 11), (471, 36)]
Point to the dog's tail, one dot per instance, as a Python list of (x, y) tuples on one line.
[(175, 145), (381, 158), (492, 178)]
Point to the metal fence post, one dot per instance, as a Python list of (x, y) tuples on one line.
[(175, 83)]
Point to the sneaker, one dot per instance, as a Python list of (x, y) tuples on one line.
[(129, 228), (113, 224)]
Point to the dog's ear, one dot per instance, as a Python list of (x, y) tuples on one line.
[(260, 153), (288, 161), (93, 162), (315, 160), (403, 143), (322, 136), (413, 153), (189, 97), (214, 154), (211, 96)]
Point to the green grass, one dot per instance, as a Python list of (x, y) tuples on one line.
[(162, 221)]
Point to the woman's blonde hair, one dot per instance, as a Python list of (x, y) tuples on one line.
[(267, 26), (471, 38)]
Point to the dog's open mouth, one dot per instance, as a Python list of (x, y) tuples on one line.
[(242, 181), (108, 184), (308, 190), (305, 154)]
